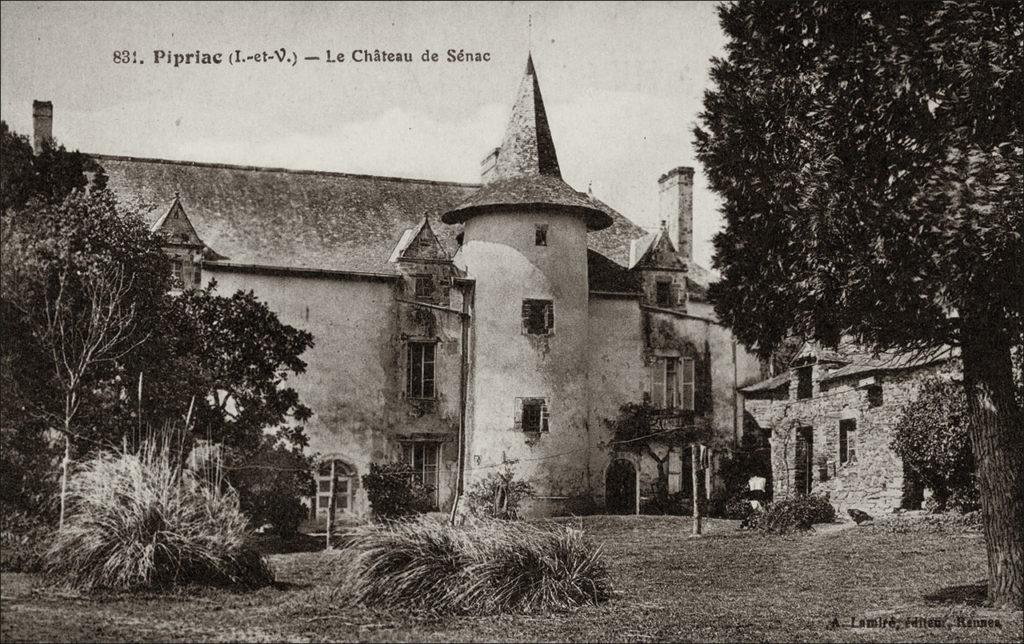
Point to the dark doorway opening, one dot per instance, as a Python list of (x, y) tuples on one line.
[(804, 460), (620, 488)]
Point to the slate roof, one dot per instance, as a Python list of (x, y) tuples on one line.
[(308, 219), (609, 277), (858, 362), (526, 173)]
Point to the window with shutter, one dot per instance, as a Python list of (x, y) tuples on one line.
[(658, 384), (538, 317), (688, 384), (532, 414)]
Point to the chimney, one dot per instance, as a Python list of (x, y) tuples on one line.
[(42, 124), (675, 203), (488, 164)]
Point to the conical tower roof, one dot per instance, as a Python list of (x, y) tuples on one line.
[(526, 174)]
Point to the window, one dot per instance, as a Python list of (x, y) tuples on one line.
[(540, 235), (197, 275), (424, 285), (538, 317), (532, 414), (875, 396), (342, 487), (177, 269), (847, 441), (422, 457), (663, 293), (673, 383), (420, 370), (804, 385)]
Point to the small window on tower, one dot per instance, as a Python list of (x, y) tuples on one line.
[(663, 293), (532, 414), (538, 317), (541, 234)]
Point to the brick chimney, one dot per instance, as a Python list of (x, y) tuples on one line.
[(675, 207), (42, 124), (488, 164)]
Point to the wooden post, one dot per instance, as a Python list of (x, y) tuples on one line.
[(330, 507), (695, 480), (64, 478)]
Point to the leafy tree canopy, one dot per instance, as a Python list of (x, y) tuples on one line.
[(870, 157)]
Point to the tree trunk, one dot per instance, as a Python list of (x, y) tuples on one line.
[(997, 437), (64, 478)]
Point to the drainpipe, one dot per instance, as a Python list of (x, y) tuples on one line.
[(467, 298), (464, 319)]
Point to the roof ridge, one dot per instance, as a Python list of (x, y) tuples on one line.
[(256, 168)]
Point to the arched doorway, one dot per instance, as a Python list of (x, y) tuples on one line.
[(620, 487)]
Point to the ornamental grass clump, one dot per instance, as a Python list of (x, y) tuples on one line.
[(144, 521), (485, 568)]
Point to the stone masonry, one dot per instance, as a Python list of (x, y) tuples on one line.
[(872, 478)]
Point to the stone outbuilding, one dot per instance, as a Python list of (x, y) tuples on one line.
[(830, 420)]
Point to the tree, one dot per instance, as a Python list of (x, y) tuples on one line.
[(229, 357), (931, 438), (70, 290), (869, 157), (95, 348), (48, 177)]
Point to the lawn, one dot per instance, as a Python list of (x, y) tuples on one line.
[(728, 585)]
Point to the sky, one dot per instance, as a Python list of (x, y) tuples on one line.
[(622, 83)]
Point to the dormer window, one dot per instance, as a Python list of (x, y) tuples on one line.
[(424, 286), (177, 270), (540, 235), (663, 293)]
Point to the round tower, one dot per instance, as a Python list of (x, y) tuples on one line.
[(525, 245)]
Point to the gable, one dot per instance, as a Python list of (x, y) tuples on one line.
[(174, 227), (420, 244), (661, 255)]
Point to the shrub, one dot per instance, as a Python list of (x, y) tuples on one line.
[(485, 568), (498, 495), (931, 437), (140, 520), (663, 503), (738, 508), (271, 485), (23, 540), (798, 513), (393, 491)]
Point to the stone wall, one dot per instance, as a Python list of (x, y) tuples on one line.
[(873, 481)]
